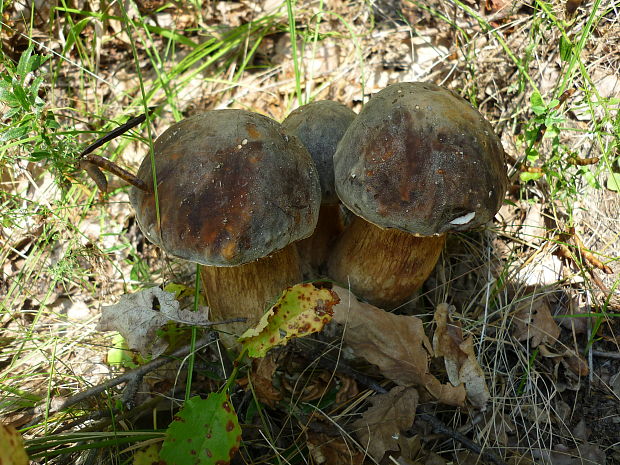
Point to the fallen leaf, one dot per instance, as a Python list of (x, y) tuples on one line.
[(382, 424), (302, 309), (573, 360), (533, 320), (147, 456), (395, 343), (329, 450), (138, 316), (571, 7), (348, 389), (459, 357), (12, 446), (262, 373), (204, 431), (583, 454)]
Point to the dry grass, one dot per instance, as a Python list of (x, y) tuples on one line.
[(66, 250)]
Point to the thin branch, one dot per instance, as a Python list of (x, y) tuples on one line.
[(114, 133), (441, 428), (91, 163), (437, 425), (116, 170), (128, 376)]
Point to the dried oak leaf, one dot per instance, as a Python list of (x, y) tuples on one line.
[(533, 320), (395, 343), (459, 357), (381, 425), (138, 316)]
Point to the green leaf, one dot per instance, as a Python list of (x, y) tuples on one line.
[(180, 291), (301, 310), (24, 64), (613, 182), (121, 355), (204, 432), (566, 49), (21, 96), (29, 62), (14, 133), (537, 103), (525, 176), (590, 178)]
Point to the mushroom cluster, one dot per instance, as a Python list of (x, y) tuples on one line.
[(234, 191)]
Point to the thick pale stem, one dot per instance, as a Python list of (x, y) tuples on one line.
[(247, 291), (383, 266), (314, 250)]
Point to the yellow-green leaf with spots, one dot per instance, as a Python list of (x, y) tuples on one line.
[(301, 310)]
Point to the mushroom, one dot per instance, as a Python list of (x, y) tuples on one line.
[(418, 161), (233, 193), (320, 126)]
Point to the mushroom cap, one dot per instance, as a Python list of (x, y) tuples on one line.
[(232, 188), (320, 126), (421, 159)]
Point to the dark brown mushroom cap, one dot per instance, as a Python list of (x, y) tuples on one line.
[(320, 126), (421, 159), (232, 188)]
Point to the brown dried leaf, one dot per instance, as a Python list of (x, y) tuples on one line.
[(459, 357), (381, 425), (138, 316), (262, 373), (533, 320), (395, 343), (573, 360), (332, 450), (348, 389)]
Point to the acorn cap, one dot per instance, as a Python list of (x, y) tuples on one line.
[(320, 126), (421, 159), (232, 188)]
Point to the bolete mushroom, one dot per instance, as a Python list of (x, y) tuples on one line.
[(417, 162), (320, 125), (233, 192)]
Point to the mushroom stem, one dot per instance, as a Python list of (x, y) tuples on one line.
[(383, 266), (314, 250), (247, 291)]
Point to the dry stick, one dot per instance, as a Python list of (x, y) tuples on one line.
[(441, 428), (125, 377), (114, 133), (91, 163), (611, 355), (437, 425), (111, 167)]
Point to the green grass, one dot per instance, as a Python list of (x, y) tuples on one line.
[(61, 239)]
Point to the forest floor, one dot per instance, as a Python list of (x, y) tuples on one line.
[(536, 292)]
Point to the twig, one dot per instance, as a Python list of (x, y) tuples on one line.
[(91, 160), (421, 413), (611, 355), (441, 428), (93, 164), (125, 377), (114, 133)]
